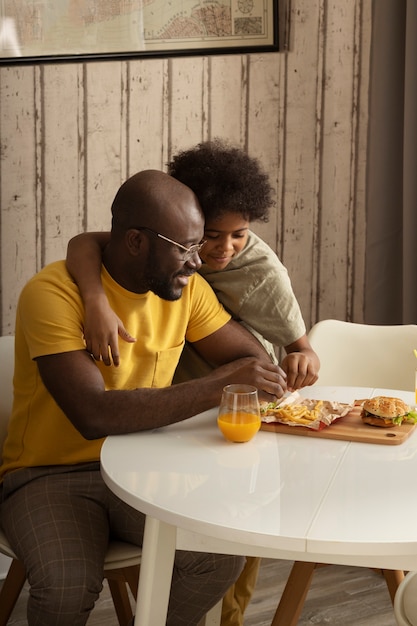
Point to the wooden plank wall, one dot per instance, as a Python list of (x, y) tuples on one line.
[(71, 133)]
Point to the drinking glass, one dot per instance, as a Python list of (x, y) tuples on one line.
[(239, 416)]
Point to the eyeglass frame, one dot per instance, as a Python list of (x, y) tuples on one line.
[(188, 252)]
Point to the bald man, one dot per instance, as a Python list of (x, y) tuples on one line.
[(56, 511)]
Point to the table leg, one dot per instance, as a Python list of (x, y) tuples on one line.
[(158, 553), (294, 594)]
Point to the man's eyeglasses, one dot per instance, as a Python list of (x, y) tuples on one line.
[(187, 253)]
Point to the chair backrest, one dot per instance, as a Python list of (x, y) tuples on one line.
[(6, 385), (405, 601), (365, 355)]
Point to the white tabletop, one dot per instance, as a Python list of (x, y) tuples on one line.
[(278, 495)]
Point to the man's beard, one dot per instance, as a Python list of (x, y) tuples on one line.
[(161, 285)]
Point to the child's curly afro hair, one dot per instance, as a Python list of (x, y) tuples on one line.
[(225, 179)]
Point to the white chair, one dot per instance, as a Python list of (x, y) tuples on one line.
[(405, 603), (365, 355), (122, 559), (359, 355)]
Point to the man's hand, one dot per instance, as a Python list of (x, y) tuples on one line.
[(269, 378), (242, 359)]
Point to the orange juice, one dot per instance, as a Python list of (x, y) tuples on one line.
[(239, 426)]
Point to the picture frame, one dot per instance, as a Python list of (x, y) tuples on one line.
[(42, 31)]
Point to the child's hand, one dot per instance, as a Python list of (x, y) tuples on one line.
[(102, 328), (301, 370)]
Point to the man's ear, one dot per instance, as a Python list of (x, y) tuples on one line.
[(134, 241)]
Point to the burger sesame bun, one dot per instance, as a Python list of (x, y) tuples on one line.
[(381, 410), (384, 406)]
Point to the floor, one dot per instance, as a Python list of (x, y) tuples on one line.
[(340, 596)]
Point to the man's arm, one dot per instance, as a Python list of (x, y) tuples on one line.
[(77, 386)]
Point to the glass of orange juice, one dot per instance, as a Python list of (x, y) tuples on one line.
[(239, 417)]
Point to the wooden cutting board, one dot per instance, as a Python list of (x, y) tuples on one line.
[(348, 428)]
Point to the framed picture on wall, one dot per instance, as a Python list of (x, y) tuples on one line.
[(36, 31)]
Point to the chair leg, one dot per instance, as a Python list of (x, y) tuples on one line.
[(294, 594), (118, 590), (131, 575), (298, 584), (117, 579), (11, 589), (393, 578)]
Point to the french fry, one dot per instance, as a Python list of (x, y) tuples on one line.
[(297, 413)]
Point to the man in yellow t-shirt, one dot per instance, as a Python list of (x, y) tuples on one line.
[(56, 511)]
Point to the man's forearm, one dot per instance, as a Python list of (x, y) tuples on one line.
[(119, 412)]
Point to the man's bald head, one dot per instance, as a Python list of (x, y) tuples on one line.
[(152, 198), (155, 218)]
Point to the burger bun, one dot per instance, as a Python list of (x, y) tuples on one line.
[(381, 410)]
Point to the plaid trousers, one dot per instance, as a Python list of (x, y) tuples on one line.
[(59, 520)]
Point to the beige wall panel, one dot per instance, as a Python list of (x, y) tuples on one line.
[(19, 210), (301, 173), (228, 98), (338, 127), (363, 42), (106, 96), (70, 134), (147, 129), (265, 133), (187, 101), (61, 151)]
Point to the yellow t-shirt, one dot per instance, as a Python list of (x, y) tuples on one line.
[(49, 320)]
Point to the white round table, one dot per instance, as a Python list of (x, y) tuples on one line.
[(278, 496)]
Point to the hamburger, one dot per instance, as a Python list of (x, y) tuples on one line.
[(387, 412)]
